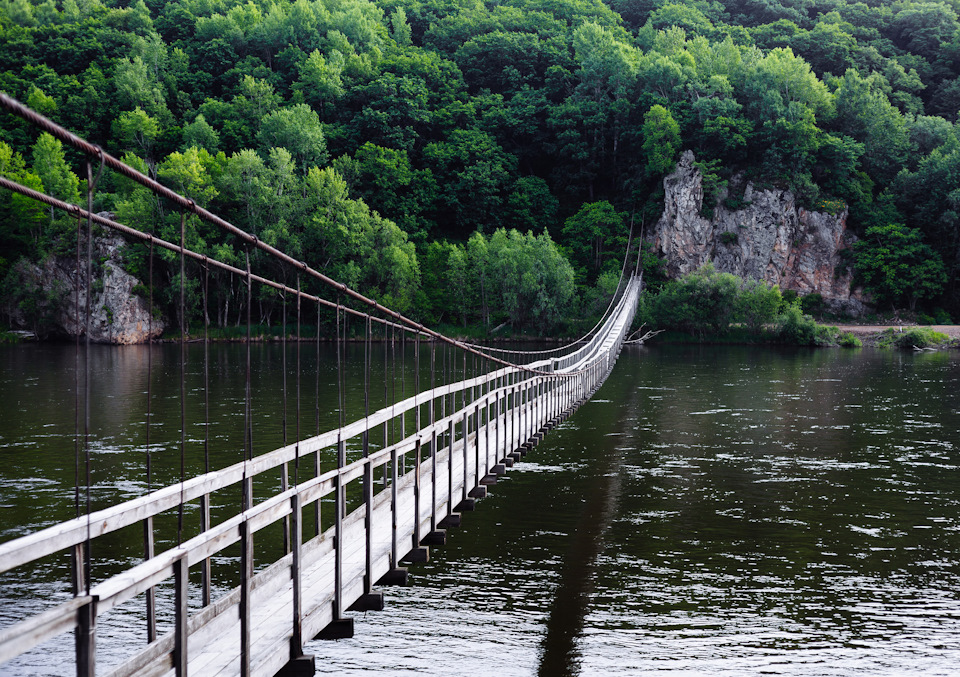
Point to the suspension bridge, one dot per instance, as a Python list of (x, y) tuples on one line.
[(354, 503)]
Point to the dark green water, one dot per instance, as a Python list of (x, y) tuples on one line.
[(710, 511)]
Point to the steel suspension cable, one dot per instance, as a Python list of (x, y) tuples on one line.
[(175, 248), (316, 396), (76, 382), (148, 550), (205, 501), (296, 461), (14, 106), (247, 498), (92, 182), (284, 468), (183, 360)]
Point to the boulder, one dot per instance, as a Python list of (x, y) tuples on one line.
[(117, 314)]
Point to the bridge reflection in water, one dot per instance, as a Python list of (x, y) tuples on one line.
[(348, 528)]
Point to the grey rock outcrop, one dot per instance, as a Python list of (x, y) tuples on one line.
[(769, 237), (117, 314)]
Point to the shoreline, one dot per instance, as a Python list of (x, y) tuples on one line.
[(870, 334), (28, 337), (951, 330)]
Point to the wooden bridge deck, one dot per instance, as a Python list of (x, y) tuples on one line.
[(272, 600)]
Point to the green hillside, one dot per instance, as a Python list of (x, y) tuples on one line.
[(397, 145)]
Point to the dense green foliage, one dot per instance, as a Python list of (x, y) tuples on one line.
[(897, 267), (507, 277), (374, 137)]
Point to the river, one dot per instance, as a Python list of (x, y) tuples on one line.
[(712, 510)]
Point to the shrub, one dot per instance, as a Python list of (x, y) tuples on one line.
[(797, 328), (728, 237), (848, 340), (802, 330), (918, 337), (757, 304), (812, 304), (700, 302)]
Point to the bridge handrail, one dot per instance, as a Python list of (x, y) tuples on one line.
[(53, 539), (581, 356), (522, 385), (116, 590)]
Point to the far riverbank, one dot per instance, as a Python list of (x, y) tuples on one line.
[(871, 333)]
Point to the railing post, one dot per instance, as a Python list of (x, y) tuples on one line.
[(496, 424), (246, 577), (296, 545), (466, 463), (528, 408), (148, 552), (368, 524), (416, 499), (488, 408), (316, 473), (532, 405), (525, 408), (86, 639), (476, 429), (521, 412), (205, 571), (541, 396), (450, 468), (515, 416), (537, 405), (433, 473), (85, 633), (551, 391), (395, 555), (341, 499), (181, 583), (518, 407)]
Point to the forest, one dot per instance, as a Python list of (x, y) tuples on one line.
[(481, 163)]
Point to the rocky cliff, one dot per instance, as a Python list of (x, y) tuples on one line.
[(117, 314), (767, 237)]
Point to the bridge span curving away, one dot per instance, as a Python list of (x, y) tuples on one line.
[(355, 503)]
